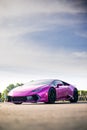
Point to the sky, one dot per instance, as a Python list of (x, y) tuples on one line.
[(42, 39)]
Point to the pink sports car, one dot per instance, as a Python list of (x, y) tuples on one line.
[(47, 91)]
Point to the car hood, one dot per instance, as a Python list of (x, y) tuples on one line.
[(24, 90)]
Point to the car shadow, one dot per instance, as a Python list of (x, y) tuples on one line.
[(56, 103)]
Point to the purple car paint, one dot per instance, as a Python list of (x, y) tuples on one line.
[(47, 91)]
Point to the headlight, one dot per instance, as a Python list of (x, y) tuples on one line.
[(37, 90)]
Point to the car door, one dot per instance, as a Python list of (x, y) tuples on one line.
[(61, 91), (66, 88), (59, 86)]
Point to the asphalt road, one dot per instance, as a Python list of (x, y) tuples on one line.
[(59, 116)]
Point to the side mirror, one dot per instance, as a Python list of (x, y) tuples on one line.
[(58, 85)]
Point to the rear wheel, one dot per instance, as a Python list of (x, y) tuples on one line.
[(51, 96), (75, 96)]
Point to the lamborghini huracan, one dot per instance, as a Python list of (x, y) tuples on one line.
[(47, 91)]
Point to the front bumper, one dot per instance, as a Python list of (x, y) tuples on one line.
[(33, 98), (40, 97)]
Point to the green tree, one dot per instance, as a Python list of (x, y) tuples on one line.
[(8, 89), (82, 95), (0, 97)]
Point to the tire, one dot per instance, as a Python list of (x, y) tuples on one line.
[(75, 96), (51, 96), (17, 103)]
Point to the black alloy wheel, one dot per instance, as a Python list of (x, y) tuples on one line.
[(51, 96), (17, 103), (75, 96)]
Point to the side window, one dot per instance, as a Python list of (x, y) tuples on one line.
[(56, 82), (66, 84)]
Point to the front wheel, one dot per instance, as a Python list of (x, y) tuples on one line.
[(75, 96), (17, 103), (51, 96)]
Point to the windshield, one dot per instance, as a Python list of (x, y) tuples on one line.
[(38, 83)]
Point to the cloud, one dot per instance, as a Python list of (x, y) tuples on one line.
[(28, 7), (32, 58), (82, 34), (22, 17), (80, 55), (23, 9)]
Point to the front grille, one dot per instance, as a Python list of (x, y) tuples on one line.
[(23, 99)]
